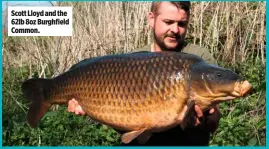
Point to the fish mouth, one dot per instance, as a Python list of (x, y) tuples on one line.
[(242, 88)]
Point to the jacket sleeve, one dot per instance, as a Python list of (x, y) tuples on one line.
[(201, 52)]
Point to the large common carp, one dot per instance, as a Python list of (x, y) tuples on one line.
[(139, 93)]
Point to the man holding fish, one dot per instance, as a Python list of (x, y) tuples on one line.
[(169, 22), (147, 96)]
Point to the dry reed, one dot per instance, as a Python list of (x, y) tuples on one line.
[(232, 31)]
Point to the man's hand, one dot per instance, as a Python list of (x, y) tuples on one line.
[(200, 114), (208, 120), (74, 107)]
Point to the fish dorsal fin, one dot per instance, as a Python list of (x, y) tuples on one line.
[(81, 63), (129, 136), (190, 115), (137, 52)]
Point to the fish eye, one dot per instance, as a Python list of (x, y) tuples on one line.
[(218, 74)]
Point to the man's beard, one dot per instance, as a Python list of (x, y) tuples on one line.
[(164, 47)]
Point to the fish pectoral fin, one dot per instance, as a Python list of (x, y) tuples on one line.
[(190, 115), (129, 136)]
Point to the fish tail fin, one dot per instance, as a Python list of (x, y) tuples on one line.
[(33, 90)]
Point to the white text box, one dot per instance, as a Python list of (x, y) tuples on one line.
[(39, 21)]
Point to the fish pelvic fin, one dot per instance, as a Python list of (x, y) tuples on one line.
[(130, 136), (33, 90)]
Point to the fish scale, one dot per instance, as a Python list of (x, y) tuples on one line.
[(143, 81), (137, 93)]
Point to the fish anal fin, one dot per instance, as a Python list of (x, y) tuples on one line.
[(190, 115), (129, 136)]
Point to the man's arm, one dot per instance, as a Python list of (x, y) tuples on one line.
[(201, 52)]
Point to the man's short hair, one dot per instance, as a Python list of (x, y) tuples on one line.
[(185, 5)]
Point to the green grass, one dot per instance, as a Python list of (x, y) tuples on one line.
[(242, 123)]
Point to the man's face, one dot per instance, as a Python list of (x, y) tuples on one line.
[(169, 26)]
